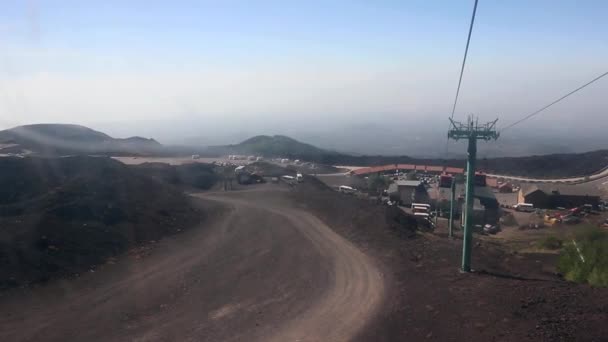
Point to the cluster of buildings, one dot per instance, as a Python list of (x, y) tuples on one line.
[(486, 208)]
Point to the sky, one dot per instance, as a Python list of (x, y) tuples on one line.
[(212, 71)]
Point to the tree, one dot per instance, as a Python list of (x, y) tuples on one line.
[(376, 183)]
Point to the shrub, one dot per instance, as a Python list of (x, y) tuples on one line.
[(593, 246)]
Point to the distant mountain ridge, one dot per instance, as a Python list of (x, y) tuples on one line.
[(53, 139), (64, 139), (274, 146)]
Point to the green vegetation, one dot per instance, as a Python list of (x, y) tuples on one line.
[(376, 183), (551, 242), (592, 268)]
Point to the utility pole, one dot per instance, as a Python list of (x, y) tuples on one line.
[(471, 131), (452, 199)]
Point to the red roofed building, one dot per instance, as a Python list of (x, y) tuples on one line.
[(454, 170), (438, 169)]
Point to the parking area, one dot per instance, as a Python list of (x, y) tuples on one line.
[(506, 199)]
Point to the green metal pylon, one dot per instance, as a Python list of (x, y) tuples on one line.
[(469, 197), (452, 199), (471, 131)]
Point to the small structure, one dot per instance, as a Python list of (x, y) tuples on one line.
[(485, 205), (492, 182), (550, 196), (407, 192), (445, 181)]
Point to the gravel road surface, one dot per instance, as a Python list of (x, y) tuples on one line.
[(264, 270)]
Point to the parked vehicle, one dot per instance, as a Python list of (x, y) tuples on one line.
[(289, 179), (423, 215), (552, 219), (491, 229), (345, 189), (576, 211), (427, 206), (571, 219), (526, 207), (299, 178)]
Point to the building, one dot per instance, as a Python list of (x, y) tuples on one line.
[(407, 192), (550, 195), (492, 182), (485, 204)]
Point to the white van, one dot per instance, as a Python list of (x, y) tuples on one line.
[(428, 206), (424, 215), (345, 189), (299, 177), (527, 207), (420, 209)]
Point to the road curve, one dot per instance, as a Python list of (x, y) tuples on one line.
[(355, 290), (265, 271)]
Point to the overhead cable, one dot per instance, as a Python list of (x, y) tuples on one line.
[(554, 102)]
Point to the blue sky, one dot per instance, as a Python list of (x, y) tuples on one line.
[(96, 62)]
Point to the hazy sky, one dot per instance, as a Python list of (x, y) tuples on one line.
[(190, 68)]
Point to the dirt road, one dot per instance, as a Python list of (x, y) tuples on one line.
[(264, 271)]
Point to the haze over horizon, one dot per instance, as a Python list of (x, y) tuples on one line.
[(351, 76)]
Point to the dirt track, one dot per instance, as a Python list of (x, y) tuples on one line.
[(265, 270)]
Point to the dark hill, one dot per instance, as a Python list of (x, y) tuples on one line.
[(60, 216), (541, 166), (275, 146), (548, 166), (62, 139)]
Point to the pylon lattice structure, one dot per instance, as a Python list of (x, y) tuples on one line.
[(471, 131)]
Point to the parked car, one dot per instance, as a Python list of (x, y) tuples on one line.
[(345, 189), (571, 219), (491, 229), (551, 220), (527, 207)]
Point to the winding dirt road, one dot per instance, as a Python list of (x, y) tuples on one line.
[(265, 271)]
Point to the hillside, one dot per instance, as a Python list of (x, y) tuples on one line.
[(62, 139), (547, 166), (275, 146), (60, 216)]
